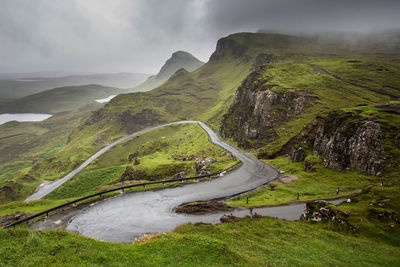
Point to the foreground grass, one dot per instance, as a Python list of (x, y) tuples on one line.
[(254, 242)]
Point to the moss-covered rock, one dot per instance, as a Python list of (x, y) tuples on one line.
[(260, 107)]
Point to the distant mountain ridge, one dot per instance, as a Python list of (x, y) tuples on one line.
[(60, 99), (178, 60), (15, 86)]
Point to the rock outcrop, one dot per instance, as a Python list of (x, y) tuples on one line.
[(203, 166), (343, 141), (350, 143), (257, 109), (321, 211), (226, 46)]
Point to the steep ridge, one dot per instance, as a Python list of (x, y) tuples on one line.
[(295, 109)]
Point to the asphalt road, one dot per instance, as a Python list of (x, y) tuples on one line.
[(128, 216), (50, 187)]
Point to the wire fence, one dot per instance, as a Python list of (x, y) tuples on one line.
[(122, 188)]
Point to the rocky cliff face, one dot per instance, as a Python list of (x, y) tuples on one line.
[(227, 45), (350, 144), (257, 109), (344, 141)]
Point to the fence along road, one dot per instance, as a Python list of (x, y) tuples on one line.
[(50, 187), (128, 216)]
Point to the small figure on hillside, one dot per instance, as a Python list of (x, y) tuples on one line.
[(381, 183), (337, 190), (247, 200), (297, 196)]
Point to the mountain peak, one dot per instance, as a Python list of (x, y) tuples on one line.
[(178, 60), (180, 54)]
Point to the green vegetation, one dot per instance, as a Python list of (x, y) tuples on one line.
[(350, 82), (29, 207), (24, 145), (332, 91), (154, 155), (373, 209), (320, 184), (255, 242)]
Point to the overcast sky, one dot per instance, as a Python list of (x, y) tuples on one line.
[(139, 35)]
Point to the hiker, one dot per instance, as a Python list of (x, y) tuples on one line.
[(298, 195), (337, 191)]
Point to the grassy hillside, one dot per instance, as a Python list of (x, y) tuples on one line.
[(155, 155), (59, 99), (22, 145), (255, 242)]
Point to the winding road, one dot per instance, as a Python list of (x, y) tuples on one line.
[(128, 216)]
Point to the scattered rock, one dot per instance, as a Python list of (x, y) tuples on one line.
[(229, 219), (319, 211), (286, 179), (203, 166)]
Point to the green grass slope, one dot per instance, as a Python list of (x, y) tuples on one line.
[(23, 145), (250, 242)]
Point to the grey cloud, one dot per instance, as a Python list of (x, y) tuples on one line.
[(138, 36)]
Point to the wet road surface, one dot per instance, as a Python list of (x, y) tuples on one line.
[(128, 216)]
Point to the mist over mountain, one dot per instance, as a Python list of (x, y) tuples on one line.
[(388, 40), (15, 86), (178, 60), (60, 99)]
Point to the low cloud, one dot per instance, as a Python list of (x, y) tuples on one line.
[(138, 36)]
